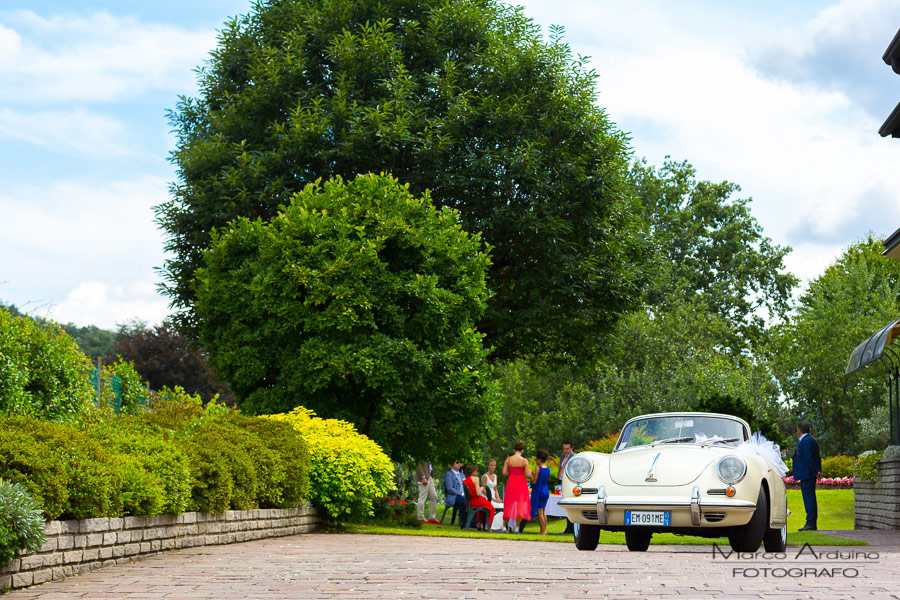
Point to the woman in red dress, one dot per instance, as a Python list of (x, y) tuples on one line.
[(516, 501), (477, 499)]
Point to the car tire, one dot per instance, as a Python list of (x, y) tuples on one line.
[(775, 540), (637, 540), (587, 537), (749, 537)]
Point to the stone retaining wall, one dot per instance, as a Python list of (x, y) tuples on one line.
[(76, 547), (877, 505)]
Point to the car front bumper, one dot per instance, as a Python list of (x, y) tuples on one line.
[(687, 511)]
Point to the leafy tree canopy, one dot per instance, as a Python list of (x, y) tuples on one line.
[(460, 97), (710, 249), (851, 300), (166, 359), (359, 301)]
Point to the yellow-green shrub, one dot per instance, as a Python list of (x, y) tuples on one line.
[(604, 444), (838, 466), (348, 471)]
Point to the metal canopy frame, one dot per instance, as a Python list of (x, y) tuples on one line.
[(878, 348)]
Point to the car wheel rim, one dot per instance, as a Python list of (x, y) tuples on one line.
[(575, 528), (784, 535)]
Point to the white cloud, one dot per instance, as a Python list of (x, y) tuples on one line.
[(95, 58), (53, 239), (73, 132), (10, 46), (806, 151), (106, 306)]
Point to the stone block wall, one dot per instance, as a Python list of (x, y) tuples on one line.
[(76, 547), (877, 505)]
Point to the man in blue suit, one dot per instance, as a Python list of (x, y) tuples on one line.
[(807, 467), (453, 492)]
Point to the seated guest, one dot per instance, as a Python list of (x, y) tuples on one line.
[(453, 490), (477, 498)]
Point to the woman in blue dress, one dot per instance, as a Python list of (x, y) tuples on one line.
[(540, 493)]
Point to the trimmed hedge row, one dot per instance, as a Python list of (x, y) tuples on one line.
[(109, 466)]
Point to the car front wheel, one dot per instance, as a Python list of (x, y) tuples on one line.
[(775, 540), (586, 536), (750, 536), (637, 540)]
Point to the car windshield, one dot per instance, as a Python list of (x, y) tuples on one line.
[(684, 429)]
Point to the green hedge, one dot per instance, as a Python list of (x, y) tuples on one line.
[(108, 466)]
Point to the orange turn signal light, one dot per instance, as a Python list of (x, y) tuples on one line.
[(730, 491), (576, 491)]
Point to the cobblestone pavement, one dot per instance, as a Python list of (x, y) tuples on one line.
[(316, 566)]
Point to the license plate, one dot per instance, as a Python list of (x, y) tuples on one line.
[(648, 517)]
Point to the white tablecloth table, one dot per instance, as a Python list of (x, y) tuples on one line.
[(553, 510)]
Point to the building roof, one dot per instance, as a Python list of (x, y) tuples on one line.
[(891, 126), (891, 56), (892, 245)]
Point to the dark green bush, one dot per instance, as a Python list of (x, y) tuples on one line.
[(40, 467), (109, 465), (67, 472), (155, 470), (212, 485), (289, 482), (248, 460)]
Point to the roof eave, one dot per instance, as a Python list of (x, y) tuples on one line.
[(891, 126), (891, 56)]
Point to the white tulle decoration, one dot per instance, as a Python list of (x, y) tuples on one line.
[(768, 451), (700, 438)]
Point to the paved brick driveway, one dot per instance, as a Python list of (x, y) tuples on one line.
[(389, 567)]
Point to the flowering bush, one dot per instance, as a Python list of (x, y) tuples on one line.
[(396, 511), (348, 470), (825, 482)]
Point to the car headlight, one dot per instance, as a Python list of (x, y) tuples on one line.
[(731, 468), (579, 468)]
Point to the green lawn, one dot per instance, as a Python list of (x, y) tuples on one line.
[(835, 512)]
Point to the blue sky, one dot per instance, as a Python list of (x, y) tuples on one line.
[(784, 99)]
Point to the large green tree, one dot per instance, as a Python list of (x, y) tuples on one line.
[(359, 301), (851, 300), (711, 250), (460, 97), (671, 360)]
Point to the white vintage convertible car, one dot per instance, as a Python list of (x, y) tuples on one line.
[(685, 473)]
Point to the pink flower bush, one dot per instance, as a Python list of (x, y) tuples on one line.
[(827, 482)]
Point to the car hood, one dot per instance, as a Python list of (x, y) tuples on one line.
[(674, 464)]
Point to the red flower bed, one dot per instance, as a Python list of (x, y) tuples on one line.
[(824, 483)]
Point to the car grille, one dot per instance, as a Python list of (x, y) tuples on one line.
[(590, 514), (588, 491), (717, 492), (713, 517)]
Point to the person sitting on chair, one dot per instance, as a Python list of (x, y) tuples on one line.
[(477, 497), (453, 489)]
